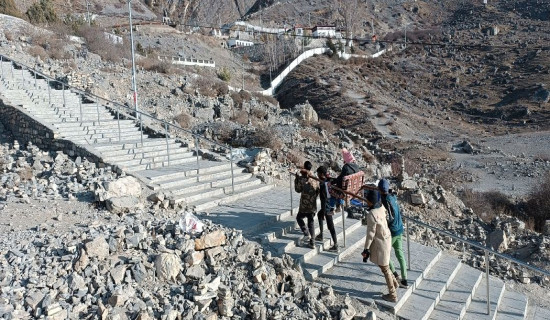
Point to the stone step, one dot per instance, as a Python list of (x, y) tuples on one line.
[(324, 260), (205, 167), (478, 307), (287, 237), (107, 123), (305, 254), (426, 296), (133, 144), (94, 141), (192, 185), (126, 135), (513, 306), (457, 298), (188, 156), (206, 204), (155, 165), (535, 312), (174, 151), (114, 153), (202, 194)]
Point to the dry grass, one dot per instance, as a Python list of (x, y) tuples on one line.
[(37, 51), (326, 125), (240, 97), (488, 205), (99, 44), (265, 99), (537, 206), (311, 135), (184, 120), (211, 87), (240, 117), (295, 158), (155, 65), (258, 113), (266, 138), (368, 157)]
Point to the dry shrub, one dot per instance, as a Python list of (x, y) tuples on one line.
[(9, 8), (184, 120), (265, 99), (25, 173), (98, 43), (155, 65), (313, 136), (224, 133), (210, 87), (258, 113), (296, 158), (412, 167), (37, 51), (240, 97), (537, 206), (326, 125), (240, 117), (266, 138), (369, 157), (488, 205)]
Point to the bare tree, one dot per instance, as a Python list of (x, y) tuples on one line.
[(350, 12)]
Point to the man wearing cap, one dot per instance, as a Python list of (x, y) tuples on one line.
[(378, 243), (396, 228)]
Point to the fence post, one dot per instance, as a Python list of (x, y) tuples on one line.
[(80, 105), (291, 196), (408, 244), (97, 111), (343, 223), (487, 279), (49, 94), (167, 145), (232, 174), (197, 154), (141, 131), (118, 123), (63, 89)]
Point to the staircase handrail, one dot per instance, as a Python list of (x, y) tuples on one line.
[(89, 94), (139, 121), (478, 245)]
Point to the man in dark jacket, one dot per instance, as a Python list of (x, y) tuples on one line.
[(309, 190), (395, 224), (322, 214)]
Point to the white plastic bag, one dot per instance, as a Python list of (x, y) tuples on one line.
[(189, 223)]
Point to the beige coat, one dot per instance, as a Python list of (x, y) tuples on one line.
[(378, 237)]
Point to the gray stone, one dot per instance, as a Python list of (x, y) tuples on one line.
[(125, 186), (98, 248), (117, 273), (121, 205), (497, 240), (168, 266), (209, 240), (34, 298), (195, 272), (409, 185), (418, 198), (547, 228)]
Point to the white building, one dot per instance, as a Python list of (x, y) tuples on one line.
[(324, 31), (233, 43)]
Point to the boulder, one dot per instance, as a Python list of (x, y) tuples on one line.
[(210, 240), (418, 198), (168, 266), (305, 112), (497, 240), (121, 205), (125, 186), (98, 248), (409, 185), (547, 228)]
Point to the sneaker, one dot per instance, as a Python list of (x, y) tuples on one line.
[(311, 244), (396, 275), (334, 248), (389, 297), (319, 237), (403, 284)]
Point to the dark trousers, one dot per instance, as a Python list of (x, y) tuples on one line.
[(321, 215), (310, 230)]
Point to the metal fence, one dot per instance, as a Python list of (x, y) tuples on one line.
[(121, 111)]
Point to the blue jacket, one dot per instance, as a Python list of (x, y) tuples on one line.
[(396, 227)]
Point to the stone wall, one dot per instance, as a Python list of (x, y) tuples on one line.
[(25, 128)]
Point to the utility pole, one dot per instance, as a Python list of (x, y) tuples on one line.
[(134, 81), (88, 13)]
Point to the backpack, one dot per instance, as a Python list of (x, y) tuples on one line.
[(390, 216)]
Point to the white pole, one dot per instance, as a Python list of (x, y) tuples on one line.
[(134, 85)]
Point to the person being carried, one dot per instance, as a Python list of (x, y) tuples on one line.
[(309, 190), (378, 243), (322, 215), (349, 168), (395, 224)]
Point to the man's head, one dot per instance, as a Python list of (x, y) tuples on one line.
[(307, 167), (373, 197), (384, 186), (322, 172)]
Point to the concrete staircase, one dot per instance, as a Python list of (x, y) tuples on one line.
[(440, 285), (166, 165)]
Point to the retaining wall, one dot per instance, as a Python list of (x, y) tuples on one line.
[(25, 128)]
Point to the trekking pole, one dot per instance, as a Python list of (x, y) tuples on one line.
[(487, 279)]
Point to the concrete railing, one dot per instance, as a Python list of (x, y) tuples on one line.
[(308, 54), (188, 62)]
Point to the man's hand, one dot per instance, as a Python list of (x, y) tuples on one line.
[(366, 255)]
